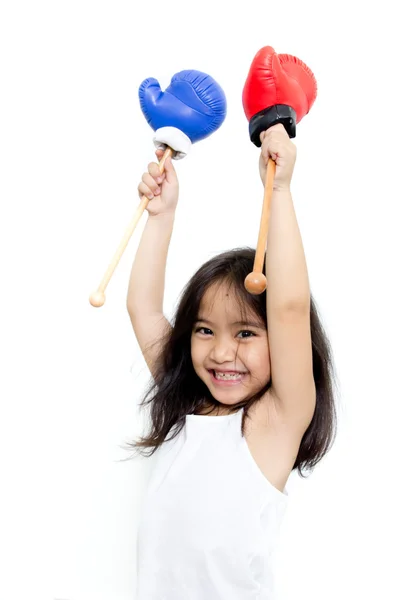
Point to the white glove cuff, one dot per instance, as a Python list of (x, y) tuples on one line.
[(175, 139)]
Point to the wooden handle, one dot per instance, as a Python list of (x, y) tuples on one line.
[(98, 297), (256, 282)]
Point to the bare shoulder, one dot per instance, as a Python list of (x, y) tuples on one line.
[(273, 440)]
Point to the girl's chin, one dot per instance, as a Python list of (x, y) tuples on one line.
[(228, 397)]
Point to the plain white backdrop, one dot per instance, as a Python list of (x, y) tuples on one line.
[(74, 144)]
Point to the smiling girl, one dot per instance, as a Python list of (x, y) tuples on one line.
[(242, 395)]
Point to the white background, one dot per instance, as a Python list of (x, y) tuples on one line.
[(74, 144)]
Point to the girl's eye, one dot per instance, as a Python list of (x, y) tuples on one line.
[(203, 330), (245, 334)]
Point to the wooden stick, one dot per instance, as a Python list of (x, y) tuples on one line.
[(98, 297), (256, 282)]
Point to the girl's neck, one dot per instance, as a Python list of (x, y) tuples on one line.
[(212, 410)]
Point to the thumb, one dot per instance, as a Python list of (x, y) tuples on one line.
[(169, 169)]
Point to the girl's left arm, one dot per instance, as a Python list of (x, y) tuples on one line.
[(286, 267), (288, 291)]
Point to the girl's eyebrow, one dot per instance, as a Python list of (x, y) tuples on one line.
[(203, 321), (256, 324)]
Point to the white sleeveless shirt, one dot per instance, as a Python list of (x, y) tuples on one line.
[(210, 518)]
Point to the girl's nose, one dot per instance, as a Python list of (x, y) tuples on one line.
[(223, 351)]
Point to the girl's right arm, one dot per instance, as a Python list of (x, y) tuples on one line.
[(147, 280)]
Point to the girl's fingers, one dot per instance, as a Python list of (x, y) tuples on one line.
[(154, 170), (271, 149), (151, 183), (148, 185), (145, 191)]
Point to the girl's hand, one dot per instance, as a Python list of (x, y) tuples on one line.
[(276, 144), (161, 190)]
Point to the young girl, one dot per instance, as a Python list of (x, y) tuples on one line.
[(242, 395)]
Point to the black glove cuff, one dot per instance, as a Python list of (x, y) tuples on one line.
[(263, 120)]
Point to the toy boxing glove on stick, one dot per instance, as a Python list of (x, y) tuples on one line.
[(279, 88), (192, 107)]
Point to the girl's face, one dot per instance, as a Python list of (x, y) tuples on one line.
[(229, 354)]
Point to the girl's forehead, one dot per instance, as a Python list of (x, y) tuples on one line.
[(217, 295), (222, 300)]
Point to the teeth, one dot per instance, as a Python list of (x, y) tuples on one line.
[(227, 375)]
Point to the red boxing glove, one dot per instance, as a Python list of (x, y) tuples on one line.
[(279, 88)]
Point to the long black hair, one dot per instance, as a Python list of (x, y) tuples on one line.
[(177, 391)]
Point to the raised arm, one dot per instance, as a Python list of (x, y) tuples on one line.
[(288, 292), (147, 280)]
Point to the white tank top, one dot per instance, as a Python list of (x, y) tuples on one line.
[(210, 519)]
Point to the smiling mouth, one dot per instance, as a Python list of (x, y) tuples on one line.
[(226, 377)]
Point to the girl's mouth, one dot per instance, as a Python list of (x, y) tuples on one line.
[(226, 378)]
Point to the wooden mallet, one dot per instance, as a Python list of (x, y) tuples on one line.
[(98, 297)]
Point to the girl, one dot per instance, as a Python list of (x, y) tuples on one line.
[(242, 395)]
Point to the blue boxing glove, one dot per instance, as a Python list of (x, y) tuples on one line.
[(192, 107)]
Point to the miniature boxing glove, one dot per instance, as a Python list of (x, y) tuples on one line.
[(191, 108), (279, 88)]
